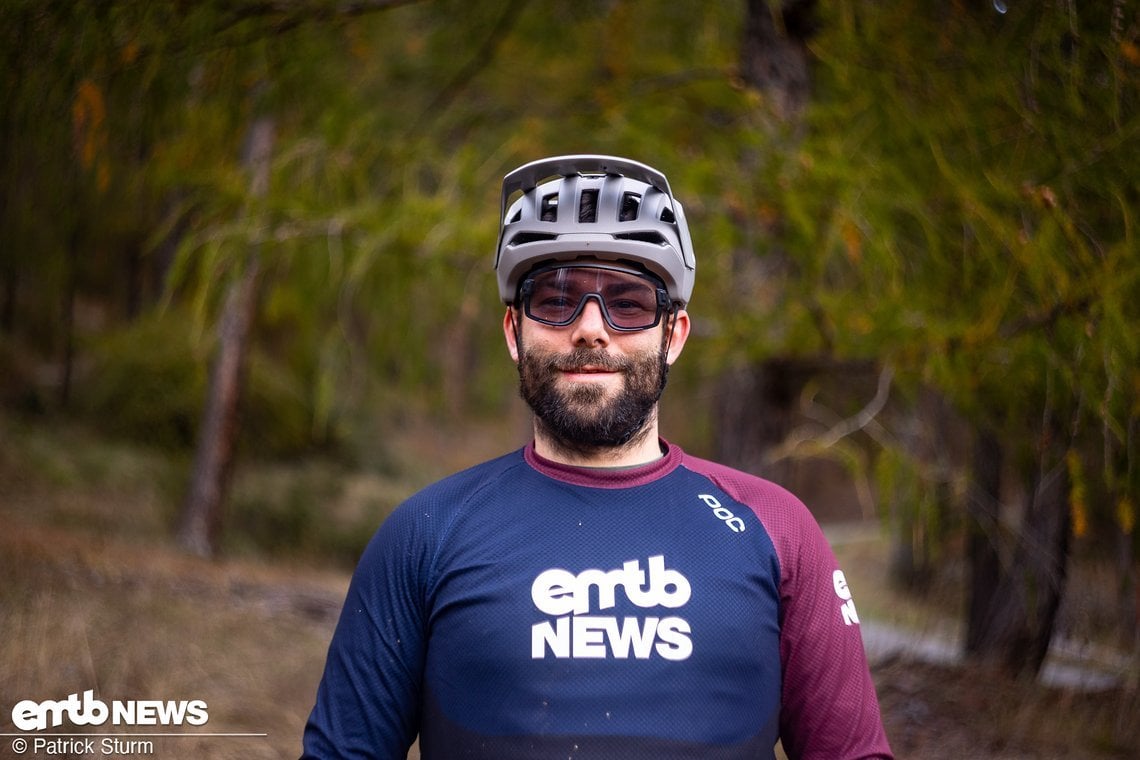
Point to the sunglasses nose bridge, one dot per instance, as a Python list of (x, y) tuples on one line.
[(603, 313), (583, 301)]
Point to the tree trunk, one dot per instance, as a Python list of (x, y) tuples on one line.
[(217, 438), (67, 311), (1127, 568), (1128, 592), (756, 409), (928, 429), (133, 256), (908, 568), (983, 542), (8, 303), (1013, 611), (774, 54), (755, 404)]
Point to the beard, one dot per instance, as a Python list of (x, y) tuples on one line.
[(584, 418)]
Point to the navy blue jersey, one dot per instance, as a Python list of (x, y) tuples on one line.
[(528, 609)]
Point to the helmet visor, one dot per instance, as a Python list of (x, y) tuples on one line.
[(629, 301)]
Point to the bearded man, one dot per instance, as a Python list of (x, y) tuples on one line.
[(598, 593)]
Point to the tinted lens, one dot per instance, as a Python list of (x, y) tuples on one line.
[(629, 301)]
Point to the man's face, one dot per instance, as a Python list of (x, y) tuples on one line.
[(591, 385), (588, 398)]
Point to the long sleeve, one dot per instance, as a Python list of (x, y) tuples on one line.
[(368, 701), (830, 710)]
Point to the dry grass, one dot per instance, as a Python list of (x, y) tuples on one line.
[(96, 597), (144, 622), (943, 713)]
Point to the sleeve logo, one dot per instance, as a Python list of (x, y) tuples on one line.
[(847, 608)]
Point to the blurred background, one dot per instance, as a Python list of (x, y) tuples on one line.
[(246, 307)]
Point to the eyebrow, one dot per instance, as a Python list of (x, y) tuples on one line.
[(626, 286)]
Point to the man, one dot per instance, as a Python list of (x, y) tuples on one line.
[(599, 593)]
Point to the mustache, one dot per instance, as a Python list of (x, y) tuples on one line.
[(586, 357)]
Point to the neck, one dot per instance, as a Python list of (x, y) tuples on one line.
[(642, 448)]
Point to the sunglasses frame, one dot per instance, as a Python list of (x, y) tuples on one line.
[(526, 289)]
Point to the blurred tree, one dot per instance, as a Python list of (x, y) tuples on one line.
[(946, 216), (217, 439)]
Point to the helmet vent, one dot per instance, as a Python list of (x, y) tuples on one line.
[(548, 211), (531, 237), (588, 206), (656, 238), (667, 216), (630, 203)]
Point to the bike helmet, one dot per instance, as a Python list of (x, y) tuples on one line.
[(599, 207)]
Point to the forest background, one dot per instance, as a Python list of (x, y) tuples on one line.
[(246, 303)]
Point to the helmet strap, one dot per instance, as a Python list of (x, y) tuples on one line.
[(667, 341)]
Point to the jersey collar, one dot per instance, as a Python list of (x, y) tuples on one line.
[(607, 477)]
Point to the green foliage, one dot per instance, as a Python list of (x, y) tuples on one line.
[(277, 419), (317, 511), (963, 209), (146, 384), (393, 130), (959, 201)]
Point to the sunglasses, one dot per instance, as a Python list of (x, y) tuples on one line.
[(629, 301)]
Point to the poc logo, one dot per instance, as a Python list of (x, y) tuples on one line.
[(722, 512)]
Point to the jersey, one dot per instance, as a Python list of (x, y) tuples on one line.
[(529, 609)]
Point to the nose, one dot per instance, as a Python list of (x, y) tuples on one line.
[(590, 328)]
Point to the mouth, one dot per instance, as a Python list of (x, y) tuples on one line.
[(587, 371), (587, 366)]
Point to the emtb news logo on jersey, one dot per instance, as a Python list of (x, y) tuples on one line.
[(577, 633)]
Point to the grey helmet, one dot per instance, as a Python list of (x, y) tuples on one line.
[(599, 207)]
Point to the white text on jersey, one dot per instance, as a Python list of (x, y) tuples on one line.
[(577, 634), (847, 608), (722, 512)]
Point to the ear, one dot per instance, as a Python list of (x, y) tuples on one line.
[(680, 334), (509, 326)]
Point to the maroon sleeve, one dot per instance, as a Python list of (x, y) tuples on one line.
[(829, 708)]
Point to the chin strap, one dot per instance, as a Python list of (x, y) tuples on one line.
[(667, 341), (516, 325)]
